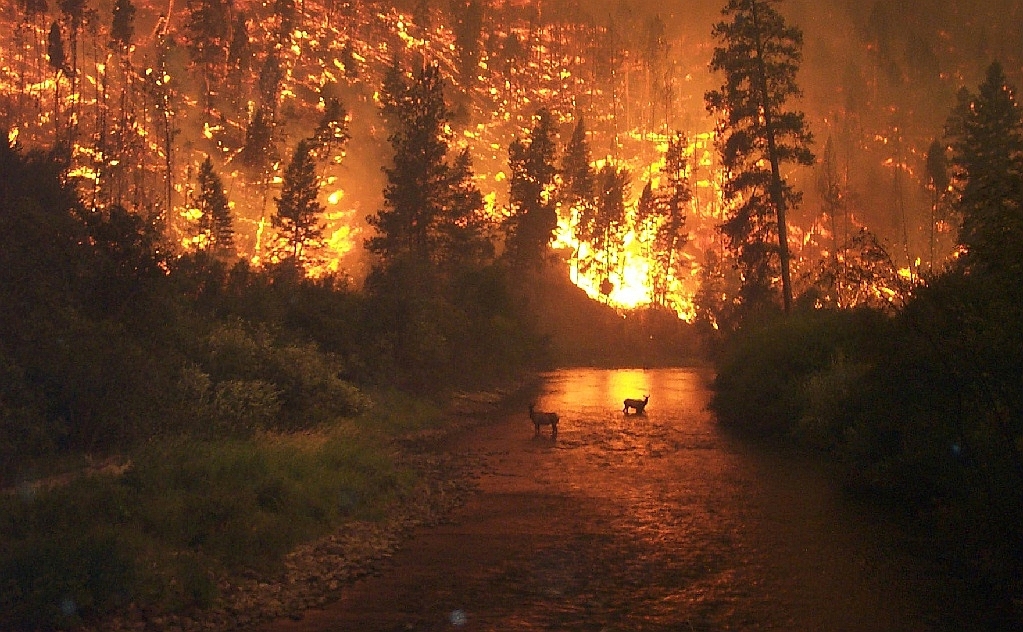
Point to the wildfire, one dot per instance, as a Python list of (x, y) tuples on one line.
[(139, 130)]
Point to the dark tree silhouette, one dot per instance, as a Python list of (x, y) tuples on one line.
[(986, 134), (533, 218), (759, 56), (298, 211), (415, 198), (122, 27), (58, 62), (215, 224), (468, 16), (667, 210), (603, 230), (331, 133), (208, 31), (577, 188)]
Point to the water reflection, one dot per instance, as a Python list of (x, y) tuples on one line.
[(655, 522)]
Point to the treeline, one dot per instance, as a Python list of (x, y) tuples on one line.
[(923, 405)]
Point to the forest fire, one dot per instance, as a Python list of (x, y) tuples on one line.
[(129, 100)]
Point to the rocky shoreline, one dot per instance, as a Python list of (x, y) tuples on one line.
[(315, 573)]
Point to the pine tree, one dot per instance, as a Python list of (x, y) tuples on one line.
[(986, 133), (417, 182), (58, 62), (577, 188), (937, 182), (533, 219), (239, 51), (759, 56), (298, 211), (464, 242), (331, 132), (122, 28), (208, 29), (215, 223), (667, 211), (608, 219), (468, 15)]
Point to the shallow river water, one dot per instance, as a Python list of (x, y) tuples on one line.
[(645, 522)]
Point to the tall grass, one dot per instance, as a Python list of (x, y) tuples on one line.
[(184, 513)]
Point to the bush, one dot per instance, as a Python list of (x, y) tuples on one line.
[(767, 373), (182, 515)]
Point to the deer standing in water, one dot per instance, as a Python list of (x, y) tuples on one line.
[(639, 405), (544, 419)]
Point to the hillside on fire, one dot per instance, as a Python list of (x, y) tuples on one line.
[(249, 246)]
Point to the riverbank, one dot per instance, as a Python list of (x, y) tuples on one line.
[(385, 456)]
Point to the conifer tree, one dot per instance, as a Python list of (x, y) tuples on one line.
[(417, 182), (239, 51), (577, 179), (298, 210), (468, 15), (332, 131), (608, 219), (533, 219), (759, 55), (122, 27), (208, 29), (667, 211), (986, 133), (215, 223), (58, 62)]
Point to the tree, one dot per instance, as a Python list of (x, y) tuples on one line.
[(298, 211), (215, 224), (208, 29), (417, 192), (603, 228), (239, 51), (937, 183), (58, 62), (577, 179), (463, 239), (331, 131), (533, 219), (832, 198), (986, 134), (122, 27), (667, 211), (468, 15), (759, 56)]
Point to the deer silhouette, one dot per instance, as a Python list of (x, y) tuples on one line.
[(543, 419), (639, 405)]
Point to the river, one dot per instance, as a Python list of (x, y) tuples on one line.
[(651, 522)]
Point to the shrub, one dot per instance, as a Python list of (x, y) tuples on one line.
[(763, 376)]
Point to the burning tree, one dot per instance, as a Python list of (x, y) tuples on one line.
[(759, 56), (666, 211)]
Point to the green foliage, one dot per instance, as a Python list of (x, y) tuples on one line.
[(182, 514), (767, 373)]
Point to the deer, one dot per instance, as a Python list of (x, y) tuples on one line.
[(544, 419), (639, 405)]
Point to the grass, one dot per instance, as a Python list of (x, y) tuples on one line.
[(188, 511)]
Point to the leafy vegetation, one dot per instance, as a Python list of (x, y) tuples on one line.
[(923, 406)]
